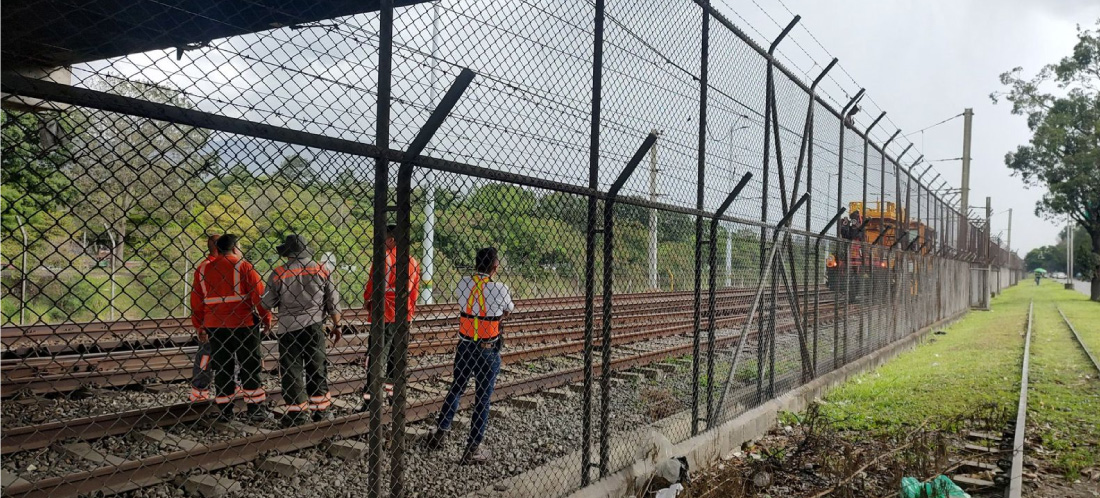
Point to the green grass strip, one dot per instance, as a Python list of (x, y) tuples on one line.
[(1064, 395), (976, 364)]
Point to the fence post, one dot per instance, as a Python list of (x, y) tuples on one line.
[(111, 302), (807, 151), (590, 242), (401, 299), (23, 275), (769, 109), (704, 56), (817, 278), (608, 280), (712, 294), (844, 249), (378, 276), (866, 264)]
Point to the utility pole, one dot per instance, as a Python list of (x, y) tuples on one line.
[(1069, 254), (427, 262), (964, 206), (729, 230), (988, 259), (1010, 231), (653, 215)]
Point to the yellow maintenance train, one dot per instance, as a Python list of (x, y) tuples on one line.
[(871, 245)]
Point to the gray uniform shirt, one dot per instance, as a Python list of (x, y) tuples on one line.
[(304, 293)]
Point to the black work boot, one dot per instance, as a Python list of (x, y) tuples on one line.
[(225, 412), (322, 415), (291, 419), (257, 413), (435, 440), (476, 455)]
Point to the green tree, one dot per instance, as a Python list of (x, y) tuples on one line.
[(132, 171), (297, 169), (30, 174), (1064, 151)]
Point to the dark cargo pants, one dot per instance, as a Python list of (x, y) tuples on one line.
[(388, 356), (302, 356), (238, 347)]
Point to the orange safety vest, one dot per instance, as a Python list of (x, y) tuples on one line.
[(390, 312), (480, 326), (226, 292)]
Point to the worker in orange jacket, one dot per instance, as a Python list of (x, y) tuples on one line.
[(200, 373), (390, 318), (226, 294)]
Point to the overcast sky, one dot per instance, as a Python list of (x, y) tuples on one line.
[(920, 61), (925, 61)]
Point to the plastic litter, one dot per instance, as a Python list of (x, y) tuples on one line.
[(940, 487), (671, 491)]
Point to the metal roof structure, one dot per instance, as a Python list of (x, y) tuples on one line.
[(53, 33)]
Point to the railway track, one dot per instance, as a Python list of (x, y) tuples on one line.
[(59, 373), (1077, 337), (122, 475), (996, 459), (30, 437), (100, 337)]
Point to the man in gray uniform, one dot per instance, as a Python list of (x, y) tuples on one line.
[(305, 295)]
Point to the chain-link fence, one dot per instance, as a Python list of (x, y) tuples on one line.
[(266, 249)]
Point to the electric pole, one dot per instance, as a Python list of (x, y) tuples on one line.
[(988, 259), (1010, 231), (427, 262), (729, 230), (1069, 254), (653, 215), (964, 206)]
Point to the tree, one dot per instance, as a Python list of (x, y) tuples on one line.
[(32, 183), (132, 170), (1064, 151), (297, 169)]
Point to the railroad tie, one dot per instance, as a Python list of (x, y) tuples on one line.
[(971, 482), (210, 486), (559, 394), (285, 465), (160, 437), (239, 427), (651, 373), (84, 451), (348, 449), (667, 367), (9, 478), (525, 402)]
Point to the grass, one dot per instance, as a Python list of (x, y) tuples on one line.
[(973, 365), (1085, 316), (977, 364), (1064, 390)]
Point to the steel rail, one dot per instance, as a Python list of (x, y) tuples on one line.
[(150, 471), (38, 436), (1016, 474), (66, 373), (428, 314), (1081, 343)]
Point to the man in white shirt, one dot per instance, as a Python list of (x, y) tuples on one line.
[(483, 305)]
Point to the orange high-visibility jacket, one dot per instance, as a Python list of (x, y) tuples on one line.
[(226, 291), (391, 286)]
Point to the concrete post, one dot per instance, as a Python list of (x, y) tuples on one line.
[(653, 216), (964, 204)]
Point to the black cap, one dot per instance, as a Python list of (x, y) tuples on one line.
[(294, 245)]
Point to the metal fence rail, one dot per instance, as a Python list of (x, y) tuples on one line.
[(687, 228)]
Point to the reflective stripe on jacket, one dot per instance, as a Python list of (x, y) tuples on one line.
[(303, 291), (391, 286), (225, 293)]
